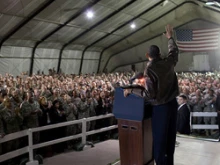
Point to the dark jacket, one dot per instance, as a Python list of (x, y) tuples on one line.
[(162, 83), (217, 103), (43, 118), (183, 120)]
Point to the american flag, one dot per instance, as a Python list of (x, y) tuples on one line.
[(199, 40)]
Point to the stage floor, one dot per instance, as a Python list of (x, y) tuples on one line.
[(189, 152)]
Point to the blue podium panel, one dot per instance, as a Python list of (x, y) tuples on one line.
[(129, 108)]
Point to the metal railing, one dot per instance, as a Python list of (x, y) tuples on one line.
[(203, 126), (29, 149)]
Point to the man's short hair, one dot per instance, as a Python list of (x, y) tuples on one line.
[(154, 52), (183, 96)]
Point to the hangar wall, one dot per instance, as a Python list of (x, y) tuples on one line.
[(15, 60)]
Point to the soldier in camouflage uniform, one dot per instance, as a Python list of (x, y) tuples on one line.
[(83, 112), (2, 132), (12, 119), (30, 110), (209, 101), (3, 94), (55, 96), (92, 105), (198, 105), (15, 99), (71, 113), (1, 106), (45, 92)]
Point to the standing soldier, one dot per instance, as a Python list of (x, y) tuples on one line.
[(209, 101), (198, 105), (55, 96), (71, 113), (12, 119), (30, 109), (92, 105), (83, 111), (3, 94), (15, 98), (2, 132)]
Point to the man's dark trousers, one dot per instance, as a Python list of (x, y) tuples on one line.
[(164, 119)]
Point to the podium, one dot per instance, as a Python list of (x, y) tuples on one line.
[(134, 127)]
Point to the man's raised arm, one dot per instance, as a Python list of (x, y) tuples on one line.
[(172, 47)]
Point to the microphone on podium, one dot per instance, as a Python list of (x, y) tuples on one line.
[(136, 76)]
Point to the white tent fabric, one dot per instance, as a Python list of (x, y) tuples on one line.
[(45, 59), (82, 33), (15, 60), (201, 63)]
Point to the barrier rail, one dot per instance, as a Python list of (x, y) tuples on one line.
[(203, 114), (29, 149)]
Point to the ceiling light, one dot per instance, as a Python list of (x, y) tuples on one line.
[(217, 3), (210, 3), (89, 14), (165, 2), (133, 26)]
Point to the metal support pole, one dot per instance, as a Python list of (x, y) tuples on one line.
[(30, 149), (84, 131), (81, 62)]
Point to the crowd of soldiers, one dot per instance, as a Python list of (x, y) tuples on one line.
[(201, 90), (39, 100)]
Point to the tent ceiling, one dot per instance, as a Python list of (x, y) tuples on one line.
[(57, 13), (181, 15), (160, 10), (7, 23), (19, 8)]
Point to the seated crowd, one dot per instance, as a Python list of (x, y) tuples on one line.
[(40, 100)]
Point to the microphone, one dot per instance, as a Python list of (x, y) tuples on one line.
[(136, 76)]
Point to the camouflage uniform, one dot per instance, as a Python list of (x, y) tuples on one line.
[(71, 112), (1, 126), (31, 117), (12, 122), (16, 102), (46, 94), (1, 132), (2, 106), (53, 98), (76, 101), (83, 112), (197, 107), (209, 107), (60, 99), (92, 112)]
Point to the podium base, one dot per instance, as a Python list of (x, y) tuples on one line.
[(136, 143)]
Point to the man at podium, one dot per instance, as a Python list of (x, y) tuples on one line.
[(161, 90)]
